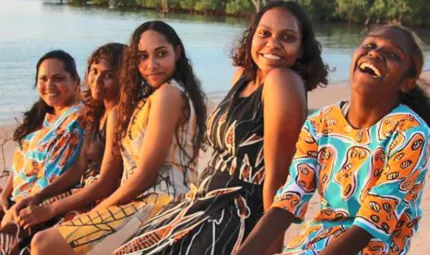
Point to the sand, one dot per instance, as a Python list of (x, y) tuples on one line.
[(322, 96)]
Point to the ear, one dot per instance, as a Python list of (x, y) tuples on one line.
[(178, 52), (408, 84)]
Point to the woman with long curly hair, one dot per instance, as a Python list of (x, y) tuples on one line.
[(252, 133), (48, 206), (160, 129), (366, 158)]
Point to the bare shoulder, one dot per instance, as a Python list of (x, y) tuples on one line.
[(284, 80), (237, 74), (169, 95)]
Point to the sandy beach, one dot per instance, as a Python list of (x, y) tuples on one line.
[(317, 98)]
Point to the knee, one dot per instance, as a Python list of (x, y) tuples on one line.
[(40, 242)]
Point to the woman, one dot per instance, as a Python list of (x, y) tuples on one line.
[(252, 132), (160, 130), (51, 134), (48, 206), (366, 157), (100, 100)]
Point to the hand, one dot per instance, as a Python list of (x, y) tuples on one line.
[(9, 217), (4, 203), (28, 201), (33, 215)]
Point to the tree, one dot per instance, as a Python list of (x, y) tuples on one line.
[(238, 6)]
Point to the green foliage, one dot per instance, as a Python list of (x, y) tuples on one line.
[(238, 6), (408, 12)]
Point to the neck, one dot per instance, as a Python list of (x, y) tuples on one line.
[(365, 112), (109, 104)]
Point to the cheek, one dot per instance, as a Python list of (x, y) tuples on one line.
[(67, 91)]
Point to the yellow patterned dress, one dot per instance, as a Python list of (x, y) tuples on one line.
[(100, 232)]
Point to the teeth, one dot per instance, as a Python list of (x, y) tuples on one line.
[(374, 69), (271, 56)]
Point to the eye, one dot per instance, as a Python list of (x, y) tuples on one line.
[(393, 55), (109, 76), (288, 37), (58, 78), (43, 79), (161, 54), (369, 46), (93, 71), (263, 33), (142, 56)]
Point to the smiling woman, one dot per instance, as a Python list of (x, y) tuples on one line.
[(49, 140), (367, 158)]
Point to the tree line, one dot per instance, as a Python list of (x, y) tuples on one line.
[(408, 12)]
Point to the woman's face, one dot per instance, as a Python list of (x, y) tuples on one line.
[(381, 64), (277, 41), (157, 58), (55, 85), (102, 81)]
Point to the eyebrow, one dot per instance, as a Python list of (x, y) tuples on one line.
[(288, 29), (158, 48), (392, 43)]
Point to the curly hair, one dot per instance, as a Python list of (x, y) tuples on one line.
[(416, 99), (134, 87), (112, 52), (310, 66), (33, 118)]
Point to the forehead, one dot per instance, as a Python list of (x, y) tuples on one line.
[(395, 37), (101, 63), (280, 19), (151, 39), (51, 66)]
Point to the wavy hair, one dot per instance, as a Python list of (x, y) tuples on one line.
[(33, 118), (112, 52), (134, 87), (310, 66)]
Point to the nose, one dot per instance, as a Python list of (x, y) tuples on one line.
[(152, 64), (375, 53), (273, 42), (98, 80)]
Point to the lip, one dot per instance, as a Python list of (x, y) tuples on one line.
[(272, 56), (378, 68)]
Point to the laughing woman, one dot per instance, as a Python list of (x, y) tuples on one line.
[(252, 133), (160, 129), (366, 158)]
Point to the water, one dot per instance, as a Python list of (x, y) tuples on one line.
[(30, 28)]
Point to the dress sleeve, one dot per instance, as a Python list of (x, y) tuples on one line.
[(63, 151), (295, 194), (392, 194)]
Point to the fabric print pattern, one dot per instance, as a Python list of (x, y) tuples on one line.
[(372, 178), (47, 153)]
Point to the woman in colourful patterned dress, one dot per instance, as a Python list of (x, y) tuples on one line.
[(45, 208), (252, 133), (160, 130), (366, 158), (51, 134)]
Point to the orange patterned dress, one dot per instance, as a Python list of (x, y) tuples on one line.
[(372, 178)]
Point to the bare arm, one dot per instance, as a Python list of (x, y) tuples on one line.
[(6, 193), (110, 173), (165, 113), (350, 242), (271, 225), (284, 113)]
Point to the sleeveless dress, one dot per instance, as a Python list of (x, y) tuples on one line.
[(216, 217), (100, 232)]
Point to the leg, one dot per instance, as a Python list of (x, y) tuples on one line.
[(50, 241)]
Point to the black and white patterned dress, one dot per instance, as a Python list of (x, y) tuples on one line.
[(216, 217)]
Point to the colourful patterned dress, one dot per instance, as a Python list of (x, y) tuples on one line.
[(216, 217), (46, 153), (372, 178), (100, 232)]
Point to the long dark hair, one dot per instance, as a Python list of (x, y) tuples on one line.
[(310, 66), (416, 98), (33, 118), (134, 87), (112, 52)]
